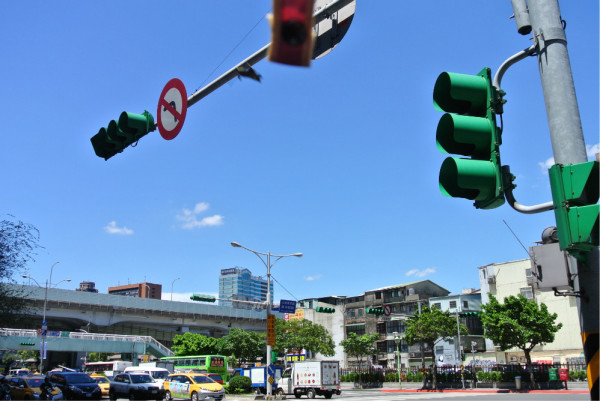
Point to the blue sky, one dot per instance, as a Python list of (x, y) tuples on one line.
[(337, 161)]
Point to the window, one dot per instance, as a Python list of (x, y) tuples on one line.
[(377, 295), (527, 292), (437, 305), (453, 304), (466, 304)]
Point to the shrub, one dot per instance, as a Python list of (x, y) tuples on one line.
[(496, 376), (239, 384)]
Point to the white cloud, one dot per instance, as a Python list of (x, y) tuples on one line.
[(313, 278), (592, 150), (190, 219), (421, 273), (112, 228)]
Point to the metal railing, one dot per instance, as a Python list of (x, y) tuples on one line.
[(90, 336)]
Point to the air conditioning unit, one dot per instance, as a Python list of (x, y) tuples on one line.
[(492, 280)]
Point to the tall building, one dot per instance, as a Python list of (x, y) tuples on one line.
[(87, 286), (140, 290), (240, 284)]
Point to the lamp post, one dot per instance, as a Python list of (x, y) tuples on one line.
[(173, 282), (268, 264), (44, 323), (398, 339)]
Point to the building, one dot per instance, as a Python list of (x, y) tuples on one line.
[(465, 308), (382, 311), (239, 284), (140, 290), (87, 286), (513, 278)]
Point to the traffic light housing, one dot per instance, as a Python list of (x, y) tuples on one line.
[(292, 36), (202, 298), (469, 128), (374, 311), (120, 134), (462, 356), (323, 309), (469, 313), (575, 196)]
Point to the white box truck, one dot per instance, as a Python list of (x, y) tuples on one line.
[(311, 378)]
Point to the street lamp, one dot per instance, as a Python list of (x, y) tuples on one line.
[(44, 322), (268, 264), (398, 339), (173, 282)]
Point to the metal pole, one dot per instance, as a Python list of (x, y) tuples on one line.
[(44, 327), (462, 375), (173, 282), (568, 147), (269, 385), (422, 353), (259, 55)]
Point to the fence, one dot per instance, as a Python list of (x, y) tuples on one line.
[(492, 372)]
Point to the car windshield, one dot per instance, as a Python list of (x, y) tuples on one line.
[(160, 375), (78, 378), (101, 379), (203, 379), (35, 382), (141, 379), (215, 377)]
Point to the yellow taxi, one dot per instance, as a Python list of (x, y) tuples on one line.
[(26, 387), (103, 383), (194, 386)]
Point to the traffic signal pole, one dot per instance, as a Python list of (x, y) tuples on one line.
[(319, 16), (568, 148)]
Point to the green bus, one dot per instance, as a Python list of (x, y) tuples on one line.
[(199, 364)]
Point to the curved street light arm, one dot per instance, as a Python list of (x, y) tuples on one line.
[(508, 178)]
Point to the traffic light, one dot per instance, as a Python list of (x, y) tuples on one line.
[(202, 298), (118, 135), (462, 356), (470, 313), (323, 309), (575, 196), (374, 311), (469, 128), (292, 37)]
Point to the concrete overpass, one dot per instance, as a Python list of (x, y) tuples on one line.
[(69, 311)]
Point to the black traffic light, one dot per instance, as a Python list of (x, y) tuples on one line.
[(202, 298), (120, 134), (374, 311), (292, 37), (323, 309)]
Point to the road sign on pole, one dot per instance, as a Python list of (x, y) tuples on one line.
[(387, 310), (287, 306), (330, 31), (172, 108)]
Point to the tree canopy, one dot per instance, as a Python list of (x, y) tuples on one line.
[(196, 344), (432, 326), (520, 323), (18, 245), (302, 334)]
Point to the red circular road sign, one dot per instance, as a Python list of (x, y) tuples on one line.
[(172, 108), (387, 309)]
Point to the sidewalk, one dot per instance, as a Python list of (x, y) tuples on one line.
[(415, 387)]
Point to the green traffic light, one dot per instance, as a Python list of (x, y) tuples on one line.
[(470, 132), (575, 193), (118, 135)]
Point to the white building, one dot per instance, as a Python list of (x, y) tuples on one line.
[(513, 278)]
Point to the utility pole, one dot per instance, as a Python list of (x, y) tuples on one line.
[(569, 148)]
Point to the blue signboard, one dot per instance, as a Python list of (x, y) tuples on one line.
[(287, 306)]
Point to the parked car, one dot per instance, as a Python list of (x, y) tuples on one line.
[(27, 387), (76, 386), (194, 386), (135, 385), (215, 376), (103, 382)]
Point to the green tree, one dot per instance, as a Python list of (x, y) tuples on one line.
[(519, 323), (432, 326), (18, 245), (359, 347), (196, 344), (244, 345), (296, 335), (97, 357)]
